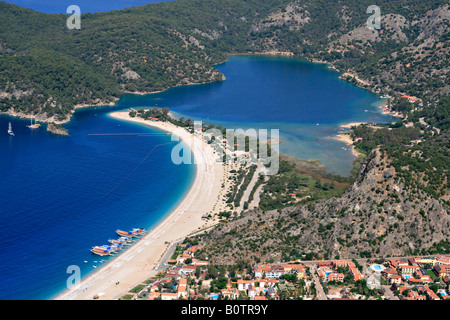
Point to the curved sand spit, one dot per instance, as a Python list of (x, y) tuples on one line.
[(137, 263)]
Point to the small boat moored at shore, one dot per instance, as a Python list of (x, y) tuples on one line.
[(124, 233), (117, 244), (121, 240), (138, 231), (133, 233), (100, 251), (106, 250), (112, 248)]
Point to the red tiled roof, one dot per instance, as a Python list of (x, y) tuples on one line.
[(193, 249)]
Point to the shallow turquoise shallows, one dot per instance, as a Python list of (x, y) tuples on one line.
[(59, 196)]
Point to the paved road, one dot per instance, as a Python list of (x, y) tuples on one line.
[(389, 294), (320, 293), (365, 259), (166, 256)]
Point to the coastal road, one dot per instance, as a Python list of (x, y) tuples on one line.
[(163, 263)]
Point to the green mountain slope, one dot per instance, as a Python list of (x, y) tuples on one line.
[(47, 69)]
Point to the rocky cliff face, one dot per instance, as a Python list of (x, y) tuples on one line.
[(56, 129), (375, 217), (413, 51)]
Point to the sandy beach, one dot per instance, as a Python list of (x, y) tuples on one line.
[(351, 124), (138, 262), (345, 137), (348, 140)]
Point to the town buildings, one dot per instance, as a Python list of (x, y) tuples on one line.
[(418, 278)]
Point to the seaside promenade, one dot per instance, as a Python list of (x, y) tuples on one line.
[(139, 262)]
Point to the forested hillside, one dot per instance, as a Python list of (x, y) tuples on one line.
[(47, 69)]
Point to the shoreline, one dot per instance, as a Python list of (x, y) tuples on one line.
[(137, 263), (352, 124), (345, 137), (273, 53)]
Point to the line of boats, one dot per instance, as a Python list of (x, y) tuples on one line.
[(31, 126), (126, 237)]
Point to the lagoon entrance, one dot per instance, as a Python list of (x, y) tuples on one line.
[(307, 102)]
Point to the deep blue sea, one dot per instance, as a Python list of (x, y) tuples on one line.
[(59, 196), (62, 195), (60, 6)]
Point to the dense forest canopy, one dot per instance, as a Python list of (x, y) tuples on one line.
[(46, 69)]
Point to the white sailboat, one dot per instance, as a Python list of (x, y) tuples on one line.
[(33, 126), (10, 132)]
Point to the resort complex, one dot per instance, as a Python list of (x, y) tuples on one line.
[(187, 278)]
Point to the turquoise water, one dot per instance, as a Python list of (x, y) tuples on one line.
[(305, 101), (62, 195), (377, 267)]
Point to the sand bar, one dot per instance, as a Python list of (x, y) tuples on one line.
[(138, 262), (352, 124)]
